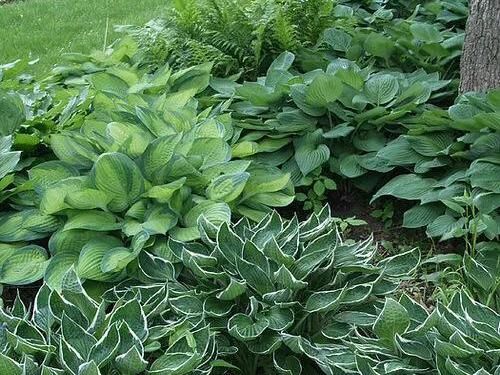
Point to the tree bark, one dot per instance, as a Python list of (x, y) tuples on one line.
[(480, 64)]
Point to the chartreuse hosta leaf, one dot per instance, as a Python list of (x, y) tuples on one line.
[(138, 166)]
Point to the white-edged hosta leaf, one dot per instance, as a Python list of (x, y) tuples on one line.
[(403, 264), (245, 328)]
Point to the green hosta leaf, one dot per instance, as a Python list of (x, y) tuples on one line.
[(116, 259), (9, 366), (337, 39), (309, 153), (26, 225), (119, 177), (350, 167), (484, 175), (379, 45), (91, 256), (381, 89), (129, 139), (227, 187), (258, 94), (11, 113), (215, 212), (74, 150), (157, 156), (8, 161), (408, 186), (159, 220), (324, 89), (87, 199), (24, 265), (165, 193), (393, 319), (109, 84), (425, 32), (298, 94), (445, 227), (92, 220), (422, 215), (244, 328), (430, 145)]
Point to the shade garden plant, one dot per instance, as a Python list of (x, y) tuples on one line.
[(173, 197)]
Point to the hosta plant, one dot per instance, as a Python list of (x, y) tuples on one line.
[(459, 338), (68, 332), (142, 161), (282, 295), (311, 124)]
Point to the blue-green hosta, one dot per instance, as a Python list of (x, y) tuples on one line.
[(142, 161), (454, 172), (310, 123)]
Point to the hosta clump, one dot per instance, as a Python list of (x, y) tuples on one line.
[(311, 124), (283, 294), (460, 338), (455, 160), (68, 332), (142, 161)]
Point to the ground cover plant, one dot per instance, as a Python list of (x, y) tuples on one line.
[(171, 199)]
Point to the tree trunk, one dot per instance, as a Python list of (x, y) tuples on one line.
[(480, 64)]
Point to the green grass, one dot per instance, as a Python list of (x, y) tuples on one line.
[(45, 29)]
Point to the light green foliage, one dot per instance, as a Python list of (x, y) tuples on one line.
[(137, 158)]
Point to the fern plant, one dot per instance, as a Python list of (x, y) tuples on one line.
[(237, 35)]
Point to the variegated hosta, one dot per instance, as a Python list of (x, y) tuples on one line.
[(68, 332), (144, 162), (462, 338), (283, 294)]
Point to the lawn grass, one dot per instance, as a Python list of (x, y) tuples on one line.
[(45, 29)]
